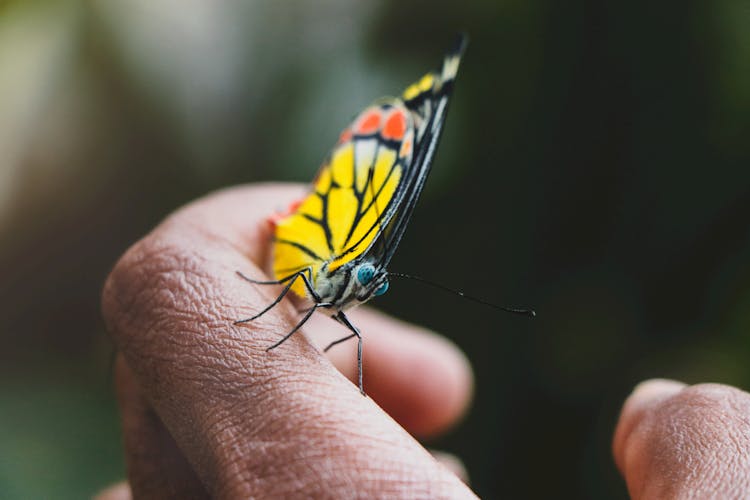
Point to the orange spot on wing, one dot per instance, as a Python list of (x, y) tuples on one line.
[(369, 123), (395, 125), (293, 206), (405, 148), (274, 219), (345, 136)]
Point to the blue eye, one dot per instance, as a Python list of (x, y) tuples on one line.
[(381, 289), (365, 274)]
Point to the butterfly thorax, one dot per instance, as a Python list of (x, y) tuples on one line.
[(349, 285)]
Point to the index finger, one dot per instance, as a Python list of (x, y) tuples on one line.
[(250, 422)]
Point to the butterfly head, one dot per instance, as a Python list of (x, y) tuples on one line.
[(371, 282), (350, 285)]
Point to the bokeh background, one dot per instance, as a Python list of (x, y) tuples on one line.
[(594, 166)]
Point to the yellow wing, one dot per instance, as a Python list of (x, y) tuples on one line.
[(370, 183), (340, 218)]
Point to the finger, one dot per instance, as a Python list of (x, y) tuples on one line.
[(644, 397), (119, 491), (156, 467), (675, 441), (452, 463), (421, 379), (249, 422)]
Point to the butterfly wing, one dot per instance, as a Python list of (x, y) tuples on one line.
[(342, 215), (365, 192), (427, 100)]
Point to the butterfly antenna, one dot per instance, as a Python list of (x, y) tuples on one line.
[(524, 312)]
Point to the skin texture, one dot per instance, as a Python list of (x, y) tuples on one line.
[(206, 411), (678, 441)]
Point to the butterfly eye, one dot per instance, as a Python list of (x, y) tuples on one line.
[(381, 289), (365, 274)]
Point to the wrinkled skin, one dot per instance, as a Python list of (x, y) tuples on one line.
[(206, 411), (678, 441)]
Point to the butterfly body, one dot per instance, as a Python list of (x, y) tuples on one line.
[(344, 288), (333, 246)]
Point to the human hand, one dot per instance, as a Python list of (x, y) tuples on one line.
[(678, 441), (206, 411)]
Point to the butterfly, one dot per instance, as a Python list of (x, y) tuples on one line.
[(333, 245)]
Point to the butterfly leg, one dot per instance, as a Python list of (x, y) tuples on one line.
[(339, 341), (300, 324), (289, 280), (307, 270), (341, 317)]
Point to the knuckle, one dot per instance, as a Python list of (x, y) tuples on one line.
[(166, 306), (155, 283)]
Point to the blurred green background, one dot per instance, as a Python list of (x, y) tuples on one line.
[(594, 166)]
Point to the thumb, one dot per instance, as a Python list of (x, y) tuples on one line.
[(678, 441)]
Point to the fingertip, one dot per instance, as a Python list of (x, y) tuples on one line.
[(452, 463), (653, 390), (119, 491), (647, 395), (423, 380), (644, 396)]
